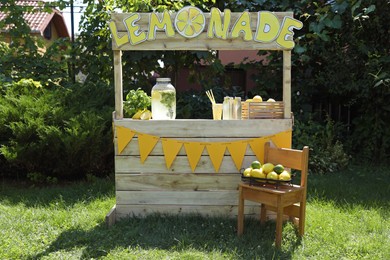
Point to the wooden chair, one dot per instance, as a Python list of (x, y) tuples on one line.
[(287, 200)]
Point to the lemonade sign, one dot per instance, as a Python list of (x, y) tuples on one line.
[(190, 22)]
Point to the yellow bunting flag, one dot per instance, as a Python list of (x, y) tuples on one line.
[(124, 137), (237, 152), (216, 152), (282, 139), (171, 148), (194, 151), (257, 146), (146, 144)]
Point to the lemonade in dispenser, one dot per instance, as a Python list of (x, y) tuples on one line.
[(163, 100)]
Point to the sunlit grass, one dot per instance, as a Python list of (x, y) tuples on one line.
[(347, 218)]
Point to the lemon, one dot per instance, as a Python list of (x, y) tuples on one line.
[(257, 98), (285, 176), (146, 115), (137, 115), (156, 95), (271, 100), (249, 100), (190, 21), (272, 176), (279, 168), (247, 172), (258, 173), (255, 165), (268, 167)]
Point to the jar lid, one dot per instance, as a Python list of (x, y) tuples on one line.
[(163, 79)]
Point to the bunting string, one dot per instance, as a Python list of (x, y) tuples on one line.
[(216, 150)]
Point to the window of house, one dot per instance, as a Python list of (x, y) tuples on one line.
[(47, 32)]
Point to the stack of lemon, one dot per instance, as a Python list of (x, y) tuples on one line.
[(143, 114), (267, 171), (258, 98)]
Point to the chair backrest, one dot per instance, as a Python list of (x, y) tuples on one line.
[(290, 158)]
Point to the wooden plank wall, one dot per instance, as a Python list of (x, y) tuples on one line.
[(146, 188)]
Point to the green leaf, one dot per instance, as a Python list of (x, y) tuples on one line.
[(336, 22), (299, 49), (340, 8), (324, 36), (316, 27), (369, 9)]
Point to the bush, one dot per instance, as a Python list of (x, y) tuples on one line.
[(62, 133), (327, 153)]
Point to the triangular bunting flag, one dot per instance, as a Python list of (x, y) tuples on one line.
[(124, 136), (146, 144), (257, 146), (194, 151), (282, 139), (171, 148), (216, 152), (237, 152)]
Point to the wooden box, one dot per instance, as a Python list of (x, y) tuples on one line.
[(262, 110)]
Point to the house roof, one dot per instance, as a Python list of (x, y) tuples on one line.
[(39, 20)]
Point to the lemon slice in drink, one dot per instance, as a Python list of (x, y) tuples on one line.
[(156, 95), (190, 21)]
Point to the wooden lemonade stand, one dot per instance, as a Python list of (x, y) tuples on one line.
[(193, 166)]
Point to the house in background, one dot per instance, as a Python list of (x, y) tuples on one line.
[(47, 26), (230, 59)]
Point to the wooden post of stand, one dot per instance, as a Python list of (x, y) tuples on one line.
[(118, 84), (287, 83)]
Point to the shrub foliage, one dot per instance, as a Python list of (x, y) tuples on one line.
[(43, 131)]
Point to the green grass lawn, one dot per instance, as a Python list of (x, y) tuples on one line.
[(348, 217)]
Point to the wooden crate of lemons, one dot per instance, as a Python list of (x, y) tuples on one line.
[(256, 108)]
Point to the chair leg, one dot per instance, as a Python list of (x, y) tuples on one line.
[(240, 218), (302, 216), (263, 214), (279, 225)]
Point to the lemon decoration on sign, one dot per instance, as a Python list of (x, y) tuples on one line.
[(190, 21)]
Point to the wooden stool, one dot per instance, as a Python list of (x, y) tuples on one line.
[(283, 199)]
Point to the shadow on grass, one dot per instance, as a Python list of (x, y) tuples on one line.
[(175, 234)]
